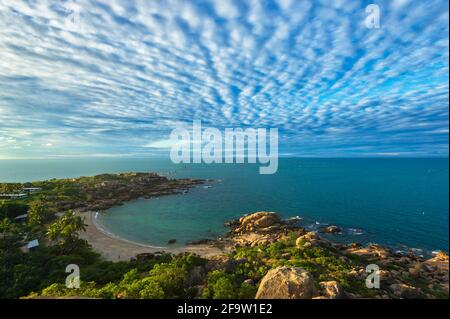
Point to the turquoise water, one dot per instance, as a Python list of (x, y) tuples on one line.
[(389, 201)]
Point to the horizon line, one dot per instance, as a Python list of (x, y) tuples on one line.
[(281, 156)]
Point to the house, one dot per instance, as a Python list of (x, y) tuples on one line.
[(30, 246), (21, 218), (13, 196), (31, 189)]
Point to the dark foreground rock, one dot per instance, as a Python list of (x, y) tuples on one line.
[(330, 230), (204, 241), (286, 283), (332, 290)]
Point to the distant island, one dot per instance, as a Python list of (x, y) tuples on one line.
[(46, 225)]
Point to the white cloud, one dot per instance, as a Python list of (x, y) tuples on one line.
[(140, 67)]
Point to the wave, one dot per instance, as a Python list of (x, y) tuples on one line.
[(355, 231)]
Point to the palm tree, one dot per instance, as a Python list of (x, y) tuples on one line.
[(65, 230)]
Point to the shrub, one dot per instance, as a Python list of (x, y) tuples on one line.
[(170, 278), (151, 289), (247, 291)]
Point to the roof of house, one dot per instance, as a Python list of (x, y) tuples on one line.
[(21, 216), (33, 243)]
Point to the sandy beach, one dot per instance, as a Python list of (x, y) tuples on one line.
[(115, 249)]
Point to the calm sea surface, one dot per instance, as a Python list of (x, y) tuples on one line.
[(398, 202)]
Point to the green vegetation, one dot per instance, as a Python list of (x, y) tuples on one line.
[(222, 285), (42, 270), (319, 261), (169, 276), (12, 209), (165, 277), (96, 192)]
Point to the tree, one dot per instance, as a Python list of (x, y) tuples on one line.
[(170, 278), (220, 285), (10, 187), (9, 237), (64, 231), (150, 289), (38, 214), (12, 209), (5, 225)]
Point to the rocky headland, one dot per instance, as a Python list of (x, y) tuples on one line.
[(304, 265), (117, 189), (101, 192)]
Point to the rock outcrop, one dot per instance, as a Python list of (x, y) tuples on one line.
[(442, 256), (402, 275), (286, 283), (370, 251), (260, 228), (330, 230), (405, 291), (311, 239), (332, 290), (104, 191), (257, 221), (435, 270)]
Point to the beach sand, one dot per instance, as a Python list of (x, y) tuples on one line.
[(115, 249)]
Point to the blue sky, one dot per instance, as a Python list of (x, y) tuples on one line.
[(117, 81)]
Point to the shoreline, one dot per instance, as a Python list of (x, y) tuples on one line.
[(207, 250), (114, 248), (95, 223)]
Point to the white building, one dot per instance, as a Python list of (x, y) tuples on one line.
[(31, 189), (13, 196)]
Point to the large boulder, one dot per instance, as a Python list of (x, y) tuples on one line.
[(405, 291), (310, 236), (330, 230), (286, 283), (442, 256), (310, 239), (257, 221), (372, 251)]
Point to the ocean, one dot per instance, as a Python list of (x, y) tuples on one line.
[(400, 202)]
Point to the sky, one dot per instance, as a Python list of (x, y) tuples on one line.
[(113, 78)]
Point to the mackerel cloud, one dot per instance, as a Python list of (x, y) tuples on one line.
[(133, 70)]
